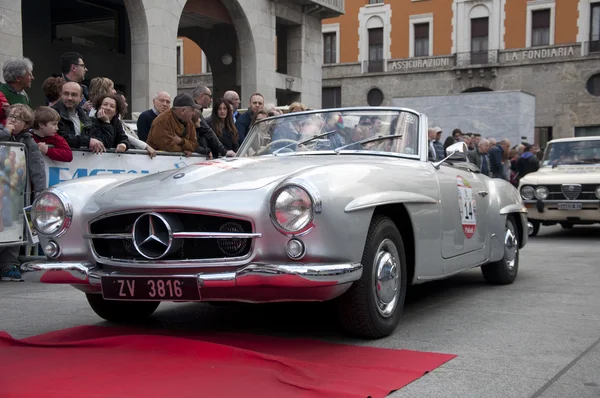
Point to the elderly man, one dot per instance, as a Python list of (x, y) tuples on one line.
[(207, 139), (161, 103), (431, 134), (174, 130), (234, 98), (257, 102), (75, 125), (479, 157), (18, 75)]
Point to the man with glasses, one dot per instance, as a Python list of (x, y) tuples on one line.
[(74, 70), (207, 139), (18, 75)]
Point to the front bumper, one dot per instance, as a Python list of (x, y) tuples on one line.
[(548, 210), (251, 283)]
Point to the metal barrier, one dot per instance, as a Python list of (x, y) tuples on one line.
[(15, 194)]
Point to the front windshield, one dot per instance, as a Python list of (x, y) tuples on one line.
[(572, 152), (340, 131)]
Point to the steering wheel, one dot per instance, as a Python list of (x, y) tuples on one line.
[(268, 146)]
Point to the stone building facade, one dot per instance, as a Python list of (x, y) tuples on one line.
[(135, 43), (548, 48)]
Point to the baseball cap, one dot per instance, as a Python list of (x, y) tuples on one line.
[(184, 99)]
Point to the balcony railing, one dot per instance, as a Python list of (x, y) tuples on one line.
[(477, 58), (592, 46)]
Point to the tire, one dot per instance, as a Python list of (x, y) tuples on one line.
[(121, 311), (504, 271), (536, 227), (359, 308), (566, 225)]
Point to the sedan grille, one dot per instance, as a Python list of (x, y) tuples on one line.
[(171, 236)]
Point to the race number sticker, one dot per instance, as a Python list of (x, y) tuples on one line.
[(467, 206)]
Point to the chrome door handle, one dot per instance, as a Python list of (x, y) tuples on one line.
[(483, 194)]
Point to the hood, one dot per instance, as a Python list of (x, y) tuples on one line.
[(566, 174)]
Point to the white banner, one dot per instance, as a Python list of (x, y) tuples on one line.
[(87, 164)]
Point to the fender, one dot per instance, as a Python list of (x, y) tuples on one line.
[(387, 197)]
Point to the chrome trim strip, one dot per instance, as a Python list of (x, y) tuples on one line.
[(171, 210), (108, 236), (513, 208), (206, 262), (214, 235), (252, 275), (586, 201)]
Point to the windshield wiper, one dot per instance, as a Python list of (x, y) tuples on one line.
[(370, 139), (314, 137)]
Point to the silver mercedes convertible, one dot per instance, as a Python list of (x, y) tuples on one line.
[(337, 204)]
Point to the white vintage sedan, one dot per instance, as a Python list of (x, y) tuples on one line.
[(313, 208), (566, 188)]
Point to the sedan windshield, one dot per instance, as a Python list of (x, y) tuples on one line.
[(334, 130), (572, 152)]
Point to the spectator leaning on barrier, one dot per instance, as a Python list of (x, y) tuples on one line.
[(18, 75), (207, 139), (131, 135), (75, 125), (162, 103), (19, 121), (173, 130), (106, 126), (45, 127)]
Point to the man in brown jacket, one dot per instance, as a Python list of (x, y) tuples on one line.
[(174, 130)]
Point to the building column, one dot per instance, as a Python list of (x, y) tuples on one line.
[(154, 28), (312, 62), (11, 31)]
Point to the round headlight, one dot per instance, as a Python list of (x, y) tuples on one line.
[(292, 209), (527, 192), (541, 193), (51, 213), (598, 192)]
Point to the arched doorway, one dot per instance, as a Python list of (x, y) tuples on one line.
[(477, 89), (97, 29)]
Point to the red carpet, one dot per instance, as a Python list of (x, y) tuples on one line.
[(95, 361)]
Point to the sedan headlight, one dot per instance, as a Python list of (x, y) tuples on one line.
[(51, 213), (527, 192), (598, 192), (292, 209), (541, 193)]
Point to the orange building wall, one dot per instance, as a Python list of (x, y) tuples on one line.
[(565, 23), (442, 25), (192, 57), (348, 30)]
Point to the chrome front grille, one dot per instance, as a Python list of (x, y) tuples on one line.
[(571, 191), (191, 236)]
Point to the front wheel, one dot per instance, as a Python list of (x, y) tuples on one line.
[(121, 311), (504, 271), (372, 307)]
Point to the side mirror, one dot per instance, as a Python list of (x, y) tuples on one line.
[(457, 152)]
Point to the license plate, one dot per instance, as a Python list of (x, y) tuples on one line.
[(570, 206), (150, 288)]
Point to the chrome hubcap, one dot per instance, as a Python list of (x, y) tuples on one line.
[(387, 277), (511, 247)]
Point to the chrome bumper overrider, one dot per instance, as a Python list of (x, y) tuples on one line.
[(251, 275)]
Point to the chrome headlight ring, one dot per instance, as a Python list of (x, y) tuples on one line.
[(598, 192), (527, 192), (301, 190), (542, 193), (65, 211)]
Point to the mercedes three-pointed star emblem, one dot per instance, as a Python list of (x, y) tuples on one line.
[(152, 236)]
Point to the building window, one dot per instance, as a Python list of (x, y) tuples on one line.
[(375, 1), (540, 23), (479, 40), (331, 97), (374, 37), (593, 85), (421, 39), (595, 28), (588, 131), (179, 57), (329, 48), (540, 28), (376, 50), (375, 97)]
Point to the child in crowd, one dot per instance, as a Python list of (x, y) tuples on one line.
[(19, 120), (45, 127)]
